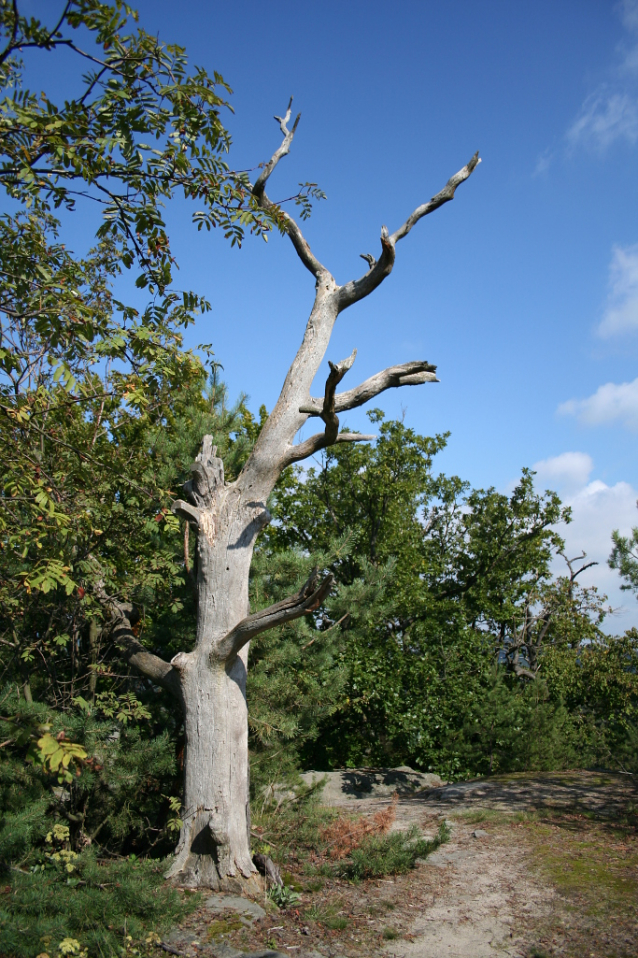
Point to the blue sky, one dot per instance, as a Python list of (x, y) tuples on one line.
[(524, 290)]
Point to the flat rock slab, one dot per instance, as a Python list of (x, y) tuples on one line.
[(352, 784), (243, 906)]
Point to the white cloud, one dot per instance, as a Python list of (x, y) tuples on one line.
[(629, 15), (610, 403), (605, 117), (621, 313), (597, 509), (544, 162), (610, 113), (569, 471)]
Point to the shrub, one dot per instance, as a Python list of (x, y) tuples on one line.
[(346, 834), (391, 854), (98, 904)]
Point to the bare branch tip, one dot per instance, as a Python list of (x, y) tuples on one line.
[(345, 364)]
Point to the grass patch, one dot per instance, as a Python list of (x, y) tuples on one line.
[(390, 934), (593, 863), (219, 927), (336, 924), (315, 884), (98, 905), (604, 874), (477, 815)]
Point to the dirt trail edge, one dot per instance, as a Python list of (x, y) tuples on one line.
[(483, 893), (476, 896)]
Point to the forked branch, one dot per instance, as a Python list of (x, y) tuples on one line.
[(283, 150), (326, 410), (406, 374), (357, 289), (304, 252), (308, 599)]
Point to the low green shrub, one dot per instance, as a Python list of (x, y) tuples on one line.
[(96, 903), (392, 853)]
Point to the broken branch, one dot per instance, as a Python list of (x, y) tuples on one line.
[(308, 599), (406, 374)]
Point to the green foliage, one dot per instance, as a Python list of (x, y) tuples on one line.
[(101, 409), (116, 799), (441, 650), (297, 675), (392, 853), (598, 684), (283, 896), (99, 904), (624, 557), (140, 128)]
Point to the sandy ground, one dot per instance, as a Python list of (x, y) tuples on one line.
[(478, 895)]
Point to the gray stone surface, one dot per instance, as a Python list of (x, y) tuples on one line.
[(224, 950), (352, 784), (479, 833), (243, 906)]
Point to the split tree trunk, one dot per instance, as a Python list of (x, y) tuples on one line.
[(210, 681), (214, 846)]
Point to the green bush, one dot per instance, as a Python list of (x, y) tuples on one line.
[(98, 904), (391, 854)]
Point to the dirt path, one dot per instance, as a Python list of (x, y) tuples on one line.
[(481, 905), (476, 896), (536, 866)]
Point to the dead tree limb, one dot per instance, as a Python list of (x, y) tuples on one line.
[(407, 374), (123, 616), (308, 599)]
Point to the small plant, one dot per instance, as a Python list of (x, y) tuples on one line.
[(71, 946), (390, 934), (336, 924), (174, 823), (346, 834), (391, 854), (443, 834), (283, 896)]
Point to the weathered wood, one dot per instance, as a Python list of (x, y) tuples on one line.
[(214, 845)]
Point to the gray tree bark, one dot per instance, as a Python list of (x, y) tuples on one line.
[(210, 681)]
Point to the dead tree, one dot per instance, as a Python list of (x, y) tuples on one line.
[(522, 649), (210, 681)]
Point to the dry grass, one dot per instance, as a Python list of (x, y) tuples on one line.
[(347, 833)]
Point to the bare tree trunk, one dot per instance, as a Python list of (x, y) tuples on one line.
[(214, 842), (94, 635), (210, 681)]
